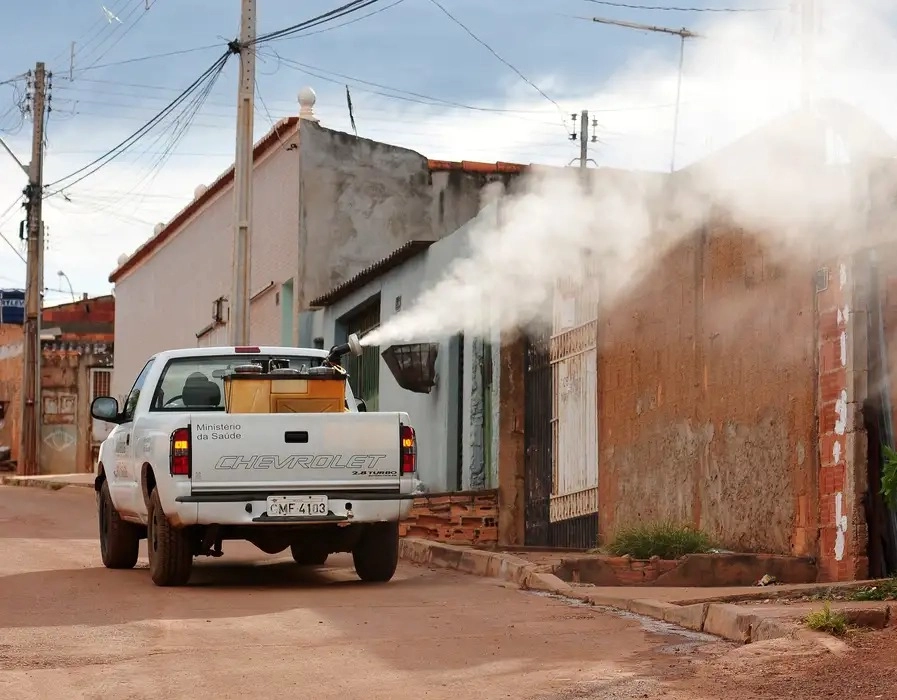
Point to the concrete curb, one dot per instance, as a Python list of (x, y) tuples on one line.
[(42, 483), (725, 620)]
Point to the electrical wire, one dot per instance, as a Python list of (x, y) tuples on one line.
[(122, 35), (336, 13), (495, 53), (150, 57), (85, 171), (415, 97), (92, 34), (660, 8), (184, 122), (353, 21), (3, 218)]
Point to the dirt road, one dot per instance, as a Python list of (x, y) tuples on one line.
[(250, 625), (253, 625)]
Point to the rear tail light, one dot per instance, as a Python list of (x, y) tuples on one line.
[(409, 449), (247, 349), (180, 452)]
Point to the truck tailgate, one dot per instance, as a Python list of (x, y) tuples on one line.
[(275, 450)]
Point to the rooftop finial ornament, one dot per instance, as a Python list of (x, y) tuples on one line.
[(307, 99)]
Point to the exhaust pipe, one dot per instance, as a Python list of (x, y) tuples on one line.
[(353, 345)]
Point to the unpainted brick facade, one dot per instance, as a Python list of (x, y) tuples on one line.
[(83, 335), (469, 517), (708, 394)]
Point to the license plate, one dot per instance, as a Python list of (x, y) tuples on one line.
[(297, 506)]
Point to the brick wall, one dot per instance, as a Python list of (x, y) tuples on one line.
[(11, 359), (837, 550), (469, 517), (707, 409)]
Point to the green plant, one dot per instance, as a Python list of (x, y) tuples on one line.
[(887, 590), (889, 477), (665, 540), (827, 620)]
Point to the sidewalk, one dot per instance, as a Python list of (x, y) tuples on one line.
[(49, 481), (740, 614)]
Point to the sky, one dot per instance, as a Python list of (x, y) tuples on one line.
[(742, 71)]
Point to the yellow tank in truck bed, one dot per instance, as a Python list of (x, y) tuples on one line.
[(282, 393)]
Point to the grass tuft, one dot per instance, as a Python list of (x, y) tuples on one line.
[(665, 540), (886, 590), (827, 620)]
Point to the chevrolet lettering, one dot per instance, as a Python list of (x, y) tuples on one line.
[(302, 461), (263, 444)]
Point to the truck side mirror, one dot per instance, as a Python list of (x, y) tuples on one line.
[(105, 408)]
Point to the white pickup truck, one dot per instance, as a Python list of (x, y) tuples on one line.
[(183, 473)]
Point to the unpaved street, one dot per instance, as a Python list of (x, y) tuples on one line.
[(252, 625)]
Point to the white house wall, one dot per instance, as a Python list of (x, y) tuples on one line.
[(360, 200), (431, 414), (167, 299)]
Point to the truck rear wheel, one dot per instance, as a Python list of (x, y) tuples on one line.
[(308, 556), (119, 539), (170, 551), (377, 553)]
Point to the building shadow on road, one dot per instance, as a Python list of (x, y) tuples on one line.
[(100, 596)]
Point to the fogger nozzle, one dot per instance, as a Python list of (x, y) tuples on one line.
[(353, 345)]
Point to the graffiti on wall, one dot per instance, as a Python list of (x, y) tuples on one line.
[(60, 439)]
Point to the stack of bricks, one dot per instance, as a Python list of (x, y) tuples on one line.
[(468, 517), (639, 572), (841, 544)]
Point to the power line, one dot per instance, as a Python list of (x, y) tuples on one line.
[(342, 11), (660, 8), (150, 57), (213, 71), (407, 96), (433, 101), (122, 35), (353, 21), (184, 122), (495, 53), (91, 34)]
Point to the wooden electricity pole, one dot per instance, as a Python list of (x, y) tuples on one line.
[(29, 452), (239, 302)]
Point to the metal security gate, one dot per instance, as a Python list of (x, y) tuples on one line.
[(561, 425), (364, 371), (537, 441), (574, 362)]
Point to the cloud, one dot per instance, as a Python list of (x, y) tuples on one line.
[(743, 74)]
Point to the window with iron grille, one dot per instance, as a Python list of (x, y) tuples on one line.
[(101, 382), (364, 370)]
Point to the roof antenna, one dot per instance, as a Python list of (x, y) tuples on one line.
[(351, 113)]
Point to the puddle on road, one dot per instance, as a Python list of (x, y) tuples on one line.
[(692, 639)]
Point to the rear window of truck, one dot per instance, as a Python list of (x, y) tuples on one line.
[(197, 383)]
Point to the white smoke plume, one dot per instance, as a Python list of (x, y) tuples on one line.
[(801, 184)]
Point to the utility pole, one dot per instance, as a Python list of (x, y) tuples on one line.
[(583, 141), (245, 47), (683, 34), (583, 138), (29, 453)]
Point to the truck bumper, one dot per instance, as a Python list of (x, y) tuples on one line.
[(251, 509)]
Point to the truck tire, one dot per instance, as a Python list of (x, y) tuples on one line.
[(308, 556), (119, 539), (170, 552), (377, 553)]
